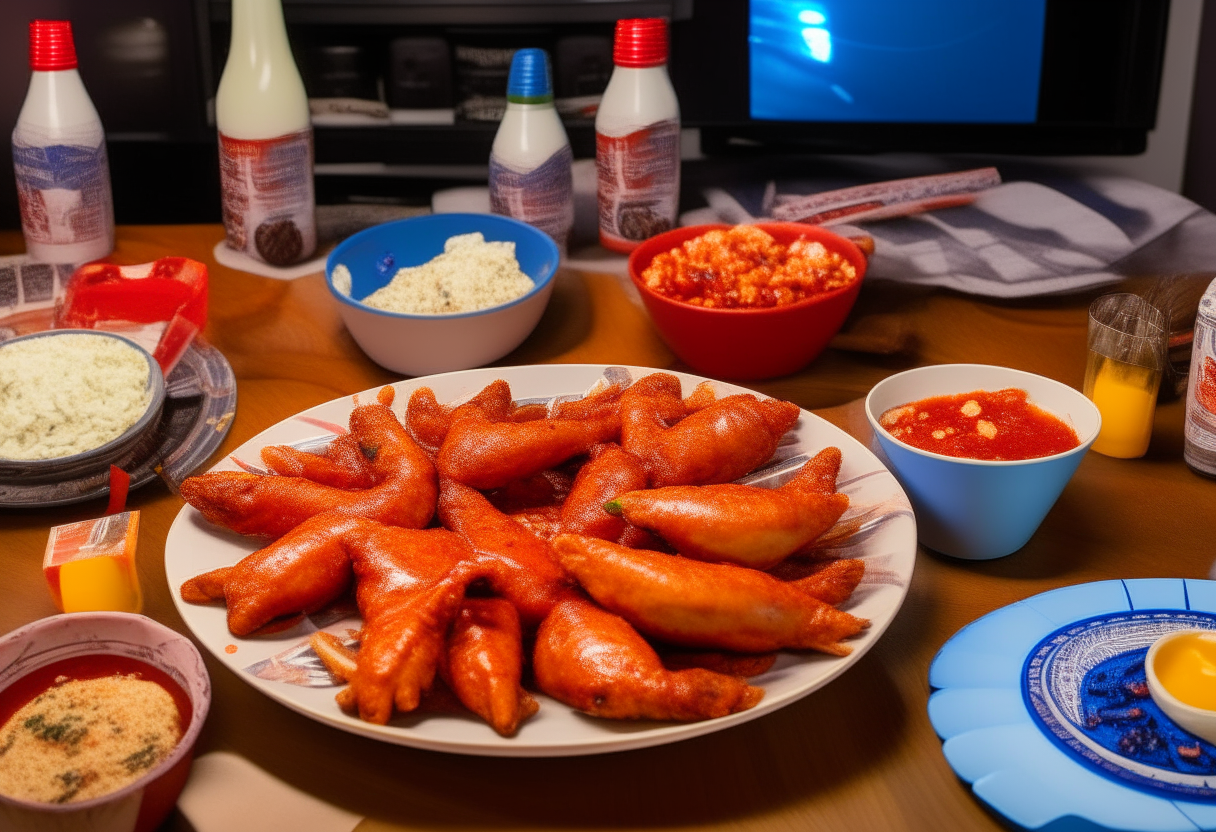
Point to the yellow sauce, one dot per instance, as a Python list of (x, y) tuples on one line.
[(1126, 396), (99, 583), (1186, 667)]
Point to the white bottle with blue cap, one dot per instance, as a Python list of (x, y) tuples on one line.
[(530, 160)]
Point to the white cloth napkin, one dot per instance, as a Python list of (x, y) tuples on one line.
[(227, 793)]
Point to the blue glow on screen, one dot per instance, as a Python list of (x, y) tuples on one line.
[(944, 61)]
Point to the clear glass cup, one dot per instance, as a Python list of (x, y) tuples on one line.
[(1127, 340)]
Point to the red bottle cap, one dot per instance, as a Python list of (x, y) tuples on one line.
[(51, 45), (640, 42)]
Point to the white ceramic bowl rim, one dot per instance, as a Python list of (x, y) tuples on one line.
[(184, 746), (537, 285), (1086, 441), (1175, 703), (156, 398)]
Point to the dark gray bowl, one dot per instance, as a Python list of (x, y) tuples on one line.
[(117, 450)]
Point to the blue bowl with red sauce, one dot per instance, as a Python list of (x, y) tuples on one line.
[(88, 645), (970, 508)]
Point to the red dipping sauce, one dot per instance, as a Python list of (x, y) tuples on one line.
[(1000, 425)]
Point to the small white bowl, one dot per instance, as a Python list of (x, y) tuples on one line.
[(140, 806), (418, 345), (1199, 721), (970, 508), (128, 446)]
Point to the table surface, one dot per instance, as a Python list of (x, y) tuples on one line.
[(859, 754)]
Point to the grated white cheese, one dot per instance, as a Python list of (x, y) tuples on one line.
[(471, 274), (341, 279), (67, 394)]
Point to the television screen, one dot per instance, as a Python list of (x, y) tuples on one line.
[(869, 60), (997, 76)]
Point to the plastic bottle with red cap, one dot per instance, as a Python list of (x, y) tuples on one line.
[(59, 156), (637, 139)]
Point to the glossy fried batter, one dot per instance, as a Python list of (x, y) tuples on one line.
[(401, 645), (831, 581), (595, 662), (342, 465), (428, 421), (611, 471), (484, 454), (718, 443), (404, 493), (311, 566), (705, 605), (734, 523), (521, 566), (301, 572), (484, 663)]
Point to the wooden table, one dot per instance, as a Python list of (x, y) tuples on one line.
[(857, 755)]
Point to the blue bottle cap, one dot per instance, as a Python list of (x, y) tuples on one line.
[(530, 81)]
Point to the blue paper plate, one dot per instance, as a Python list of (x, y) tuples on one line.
[(1041, 708)]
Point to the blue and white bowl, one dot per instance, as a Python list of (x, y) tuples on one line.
[(416, 345), (970, 508)]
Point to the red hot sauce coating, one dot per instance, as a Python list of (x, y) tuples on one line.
[(1000, 425)]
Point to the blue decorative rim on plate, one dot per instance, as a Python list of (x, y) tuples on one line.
[(1085, 687), (995, 740)]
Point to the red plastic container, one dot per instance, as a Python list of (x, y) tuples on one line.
[(749, 343)]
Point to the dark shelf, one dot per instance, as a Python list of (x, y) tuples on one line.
[(465, 12), (407, 144)]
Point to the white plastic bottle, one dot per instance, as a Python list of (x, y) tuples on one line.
[(637, 139), (266, 157), (530, 173), (59, 156)]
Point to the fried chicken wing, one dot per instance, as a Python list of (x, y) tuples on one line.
[(300, 573), (704, 605), (834, 583), (521, 566), (484, 454), (313, 565), (733, 523), (342, 465), (401, 646), (428, 421), (484, 663), (595, 662), (611, 471), (718, 443), (404, 493)]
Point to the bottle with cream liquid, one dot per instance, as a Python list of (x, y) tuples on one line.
[(59, 156), (530, 173), (265, 135), (637, 139)]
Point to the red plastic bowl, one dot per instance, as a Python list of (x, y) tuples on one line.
[(749, 343)]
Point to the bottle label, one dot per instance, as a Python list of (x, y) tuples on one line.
[(1199, 430), (639, 183), (267, 197), (64, 193), (543, 196)]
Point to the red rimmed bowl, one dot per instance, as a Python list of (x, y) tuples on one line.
[(749, 343), (140, 806)]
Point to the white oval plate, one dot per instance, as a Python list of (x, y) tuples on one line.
[(886, 541)]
